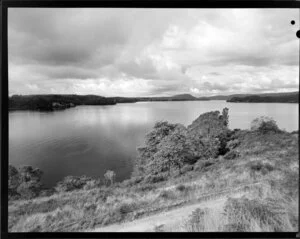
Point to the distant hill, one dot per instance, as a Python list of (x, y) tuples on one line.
[(292, 97), (183, 97), (228, 97), (52, 102), (180, 97)]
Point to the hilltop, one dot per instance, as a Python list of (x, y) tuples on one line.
[(203, 177)]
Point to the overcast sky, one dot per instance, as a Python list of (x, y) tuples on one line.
[(152, 52)]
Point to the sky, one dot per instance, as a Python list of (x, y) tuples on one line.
[(152, 52)]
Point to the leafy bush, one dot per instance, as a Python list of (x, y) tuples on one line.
[(264, 168), (147, 187), (231, 155), (167, 194), (203, 165), (180, 187), (155, 178), (186, 168), (199, 165), (71, 183), (232, 144), (126, 208), (195, 222), (109, 176), (264, 124), (183, 189), (24, 183), (159, 228)]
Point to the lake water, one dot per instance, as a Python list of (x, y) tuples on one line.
[(88, 140)]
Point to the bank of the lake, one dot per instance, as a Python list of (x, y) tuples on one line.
[(92, 139), (210, 178)]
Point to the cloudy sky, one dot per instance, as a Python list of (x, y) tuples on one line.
[(152, 52)]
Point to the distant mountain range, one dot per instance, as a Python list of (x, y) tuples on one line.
[(54, 102), (228, 97), (238, 97)]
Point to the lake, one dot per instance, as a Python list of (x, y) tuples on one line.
[(88, 140)]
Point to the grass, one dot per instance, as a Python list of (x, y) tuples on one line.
[(271, 158)]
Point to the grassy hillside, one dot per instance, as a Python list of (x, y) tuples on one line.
[(263, 162)]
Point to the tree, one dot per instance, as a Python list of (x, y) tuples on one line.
[(172, 151), (225, 116), (209, 124), (25, 182), (30, 182), (110, 176), (264, 124), (145, 159), (13, 182)]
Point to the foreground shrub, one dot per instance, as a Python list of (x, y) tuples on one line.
[(159, 228), (155, 178), (126, 208), (24, 183), (71, 183), (186, 168), (183, 188), (203, 165), (109, 176), (264, 124), (147, 187), (249, 215), (167, 194), (264, 168), (231, 155), (195, 222), (232, 144)]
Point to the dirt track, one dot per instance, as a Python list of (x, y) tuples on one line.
[(173, 219)]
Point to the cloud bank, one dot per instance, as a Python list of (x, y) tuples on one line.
[(152, 52)]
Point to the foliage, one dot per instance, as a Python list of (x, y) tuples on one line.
[(172, 151), (45, 102), (155, 178), (145, 158), (126, 208), (288, 98), (264, 168), (71, 183), (187, 168), (159, 228), (110, 176), (24, 183), (241, 213), (231, 155), (169, 147), (209, 124), (195, 222), (264, 124), (167, 194)]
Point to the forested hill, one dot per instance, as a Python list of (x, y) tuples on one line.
[(282, 98), (52, 102)]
